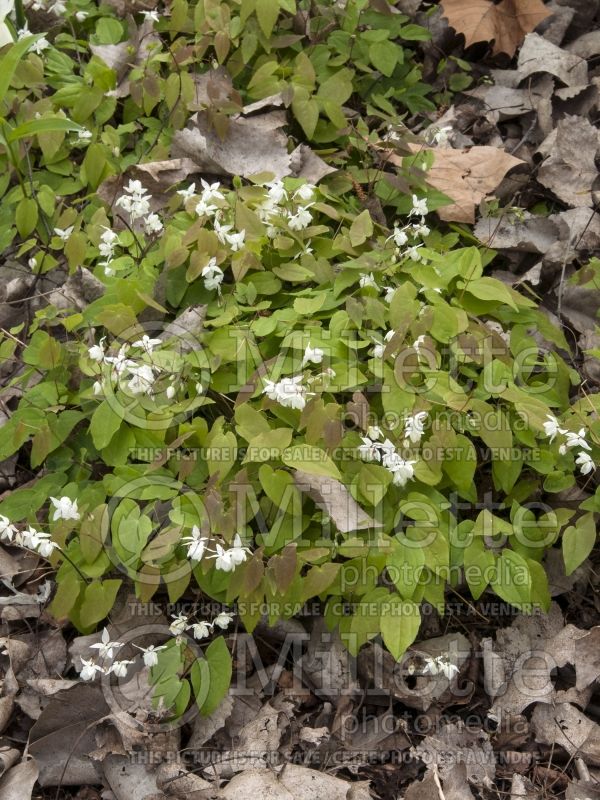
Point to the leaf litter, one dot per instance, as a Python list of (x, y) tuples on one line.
[(533, 683)]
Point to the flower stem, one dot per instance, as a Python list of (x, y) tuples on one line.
[(20, 15)]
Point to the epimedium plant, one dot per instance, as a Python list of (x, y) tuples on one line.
[(274, 398)]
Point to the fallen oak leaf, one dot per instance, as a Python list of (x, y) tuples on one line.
[(506, 23), (465, 176), (334, 499)]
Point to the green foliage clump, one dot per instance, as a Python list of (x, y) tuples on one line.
[(276, 396)]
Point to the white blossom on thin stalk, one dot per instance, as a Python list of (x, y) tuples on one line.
[(414, 427), (150, 653), (106, 647), (312, 355), (89, 669), (368, 281), (64, 508), (179, 624), (552, 427), (196, 544), (200, 630), (288, 392), (213, 275), (585, 463)]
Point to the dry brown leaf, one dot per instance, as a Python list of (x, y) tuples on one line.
[(506, 23), (567, 726), (17, 783), (334, 499), (466, 176), (569, 170)]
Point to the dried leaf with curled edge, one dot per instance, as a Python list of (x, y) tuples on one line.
[(334, 499), (466, 176), (506, 23)]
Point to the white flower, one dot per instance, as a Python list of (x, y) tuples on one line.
[(150, 653), (228, 560), (236, 240), (81, 15), (368, 281), (150, 16), (301, 219), (585, 463), (98, 387), (89, 669), (414, 427), (39, 46), (200, 630), (305, 192), (419, 207), (390, 291), (276, 193), (142, 381), (210, 191), (135, 201), (84, 135), (440, 665), (421, 230), (413, 253), (199, 388), (179, 624), (153, 224), (147, 344), (369, 450), (374, 432), (64, 234), (224, 559), (312, 355), (45, 546), (379, 348), (418, 342), (196, 544), (96, 351), (440, 136), (7, 529), (171, 392), (552, 427), (120, 362), (119, 668), (223, 620), (222, 231), (58, 8), (403, 472), (105, 647), (238, 551), (213, 275), (204, 209), (287, 392), (107, 243), (577, 439), (399, 236), (65, 508), (187, 194)]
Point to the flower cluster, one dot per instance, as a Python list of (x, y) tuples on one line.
[(278, 209), (141, 375), (572, 439), (200, 630), (440, 665), (32, 539), (136, 202), (227, 559), (294, 392), (386, 454)]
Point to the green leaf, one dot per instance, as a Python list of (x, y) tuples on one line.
[(399, 624), (267, 12), (361, 228), (104, 424), (211, 676), (26, 216), (98, 599), (9, 63), (46, 125), (578, 542), (384, 56), (311, 459), (306, 111)]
